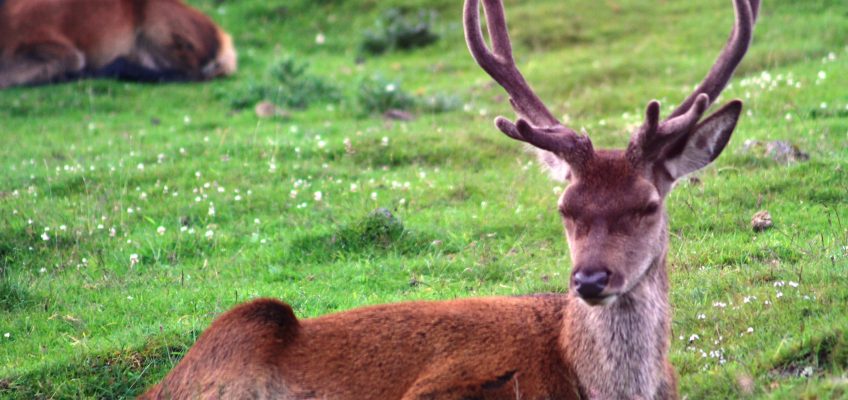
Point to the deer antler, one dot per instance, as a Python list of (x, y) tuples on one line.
[(729, 58), (654, 135), (535, 125)]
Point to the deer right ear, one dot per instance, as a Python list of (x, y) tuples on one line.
[(705, 142)]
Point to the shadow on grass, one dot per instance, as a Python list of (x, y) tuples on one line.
[(820, 354), (13, 296), (119, 374)]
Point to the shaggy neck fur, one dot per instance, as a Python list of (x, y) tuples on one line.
[(619, 351)]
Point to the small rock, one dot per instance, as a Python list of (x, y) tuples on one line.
[(761, 221), (267, 109), (785, 152), (398, 115), (780, 151)]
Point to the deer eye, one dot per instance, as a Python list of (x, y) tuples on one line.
[(566, 213), (650, 209)]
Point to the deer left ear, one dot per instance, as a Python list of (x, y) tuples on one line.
[(705, 142)]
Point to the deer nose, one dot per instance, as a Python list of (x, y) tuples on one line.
[(590, 284)]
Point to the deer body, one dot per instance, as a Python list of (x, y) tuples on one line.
[(606, 339), (490, 348), (43, 41), (408, 350)]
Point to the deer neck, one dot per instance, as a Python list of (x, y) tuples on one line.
[(620, 350)]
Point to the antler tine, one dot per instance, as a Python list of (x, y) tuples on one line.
[(500, 65), (729, 58), (536, 125)]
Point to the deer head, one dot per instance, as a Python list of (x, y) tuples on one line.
[(613, 208)]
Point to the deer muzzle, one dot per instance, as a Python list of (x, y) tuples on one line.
[(590, 285)]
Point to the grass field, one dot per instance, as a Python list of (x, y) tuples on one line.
[(131, 215)]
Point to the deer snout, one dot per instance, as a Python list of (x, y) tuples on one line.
[(590, 283)]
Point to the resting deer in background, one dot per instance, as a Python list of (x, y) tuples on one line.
[(45, 41), (607, 338)]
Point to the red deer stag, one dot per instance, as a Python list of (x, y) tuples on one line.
[(608, 338), (44, 41)]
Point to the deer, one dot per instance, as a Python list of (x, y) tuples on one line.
[(49, 41), (607, 337)]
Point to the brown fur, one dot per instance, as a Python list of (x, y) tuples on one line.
[(43, 41), (445, 350)]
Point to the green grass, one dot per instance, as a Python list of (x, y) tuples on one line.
[(474, 216)]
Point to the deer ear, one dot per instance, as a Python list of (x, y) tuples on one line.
[(557, 168), (705, 142)]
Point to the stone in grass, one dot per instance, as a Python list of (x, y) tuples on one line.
[(785, 152), (780, 151), (267, 109), (761, 221), (398, 115)]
